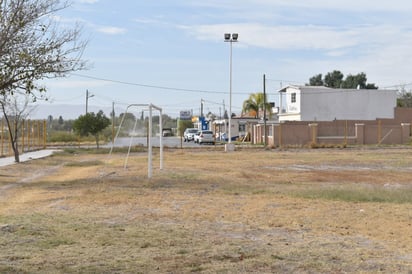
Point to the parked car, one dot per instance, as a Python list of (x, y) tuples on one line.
[(189, 134), (205, 136), (167, 132), (196, 137)]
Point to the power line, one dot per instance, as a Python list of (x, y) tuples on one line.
[(398, 86), (65, 99), (284, 81), (154, 86), (213, 103)]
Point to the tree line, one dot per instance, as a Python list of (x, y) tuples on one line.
[(336, 79), (97, 125)]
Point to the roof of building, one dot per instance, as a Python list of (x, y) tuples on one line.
[(283, 89)]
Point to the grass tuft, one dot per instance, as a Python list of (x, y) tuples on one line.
[(84, 163), (376, 194)]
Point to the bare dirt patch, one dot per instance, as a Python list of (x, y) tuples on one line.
[(266, 211)]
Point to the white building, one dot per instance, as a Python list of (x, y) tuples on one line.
[(240, 127), (313, 103)]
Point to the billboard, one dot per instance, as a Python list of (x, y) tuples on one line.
[(185, 115)]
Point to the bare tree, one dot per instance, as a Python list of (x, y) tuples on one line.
[(16, 108), (34, 47)]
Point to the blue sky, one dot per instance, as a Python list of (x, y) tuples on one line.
[(172, 53)]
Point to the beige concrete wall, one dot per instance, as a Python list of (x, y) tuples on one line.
[(337, 133)]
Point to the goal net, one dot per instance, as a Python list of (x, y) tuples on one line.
[(143, 108)]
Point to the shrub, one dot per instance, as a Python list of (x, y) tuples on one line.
[(62, 137)]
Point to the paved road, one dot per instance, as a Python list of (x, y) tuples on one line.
[(27, 156), (120, 142), (167, 141)]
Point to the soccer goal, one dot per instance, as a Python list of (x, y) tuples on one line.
[(144, 108)]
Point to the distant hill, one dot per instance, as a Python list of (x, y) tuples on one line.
[(42, 111)]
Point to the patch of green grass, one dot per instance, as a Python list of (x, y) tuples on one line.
[(375, 194), (62, 136)]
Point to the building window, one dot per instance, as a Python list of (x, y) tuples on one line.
[(242, 127), (293, 97)]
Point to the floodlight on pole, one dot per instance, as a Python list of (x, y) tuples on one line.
[(230, 37)]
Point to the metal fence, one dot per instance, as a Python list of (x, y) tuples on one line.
[(32, 135)]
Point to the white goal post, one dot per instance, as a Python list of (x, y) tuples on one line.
[(146, 107)]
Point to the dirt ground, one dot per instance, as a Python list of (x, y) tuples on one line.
[(207, 211)]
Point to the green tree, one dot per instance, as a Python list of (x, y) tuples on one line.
[(168, 122), (405, 98), (371, 86), (91, 124), (358, 81), (333, 79), (61, 121), (256, 103), (127, 116), (182, 125), (128, 119), (316, 80), (355, 81), (336, 79), (226, 115)]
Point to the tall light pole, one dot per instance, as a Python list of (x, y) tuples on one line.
[(230, 37), (87, 98), (264, 109)]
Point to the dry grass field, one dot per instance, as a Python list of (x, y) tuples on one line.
[(207, 211)]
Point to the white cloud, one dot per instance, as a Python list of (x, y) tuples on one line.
[(334, 40), (111, 30), (67, 20), (386, 64), (88, 1), (348, 5), (381, 51), (281, 37), (147, 21), (300, 38)]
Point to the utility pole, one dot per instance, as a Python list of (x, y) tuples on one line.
[(113, 117), (264, 109), (87, 99)]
